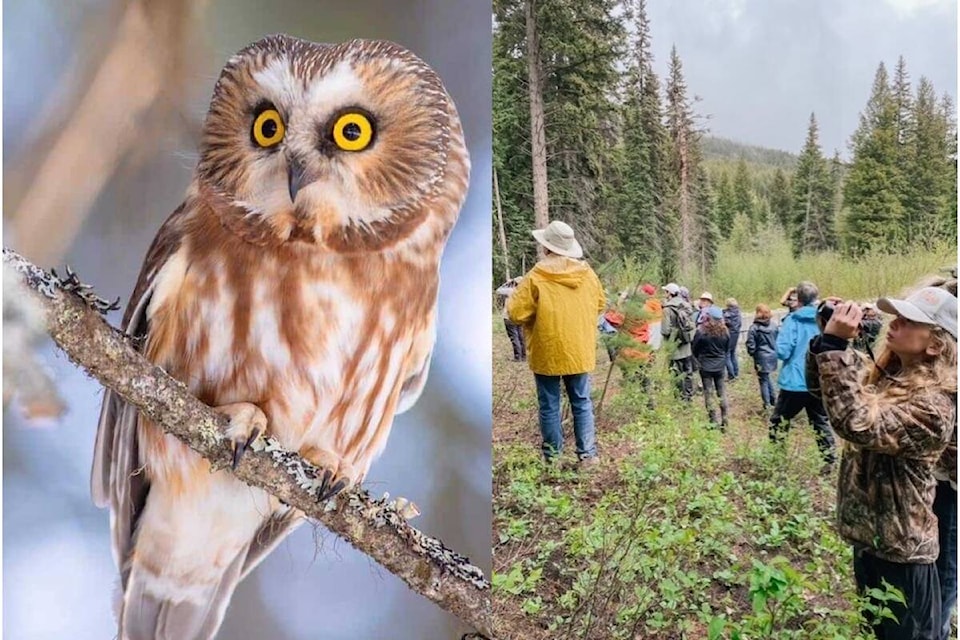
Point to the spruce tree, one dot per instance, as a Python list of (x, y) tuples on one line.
[(742, 190), (812, 198), (872, 193), (639, 221), (726, 205), (781, 199)]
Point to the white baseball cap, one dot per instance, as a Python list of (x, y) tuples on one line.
[(930, 305), (672, 288)]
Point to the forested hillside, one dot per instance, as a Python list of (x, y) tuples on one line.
[(586, 131)]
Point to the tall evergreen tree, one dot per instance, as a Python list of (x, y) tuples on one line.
[(930, 202), (683, 196), (949, 181), (781, 199), (726, 205), (875, 182), (580, 47), (902, 104), (708, 232), (812, 206), (639, 222), (743, 191)]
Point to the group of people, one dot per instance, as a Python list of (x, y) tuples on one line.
[(895, 413)]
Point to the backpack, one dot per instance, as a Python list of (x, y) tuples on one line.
[(685, 326)]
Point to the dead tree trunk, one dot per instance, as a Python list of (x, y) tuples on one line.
[(503, 235), (538, 138)]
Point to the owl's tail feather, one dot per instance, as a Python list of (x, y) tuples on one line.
[(149, 612)]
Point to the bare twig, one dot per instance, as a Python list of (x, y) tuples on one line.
[(375, 527)]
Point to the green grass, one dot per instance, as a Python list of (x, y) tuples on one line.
[(761, 273), (682, 532)]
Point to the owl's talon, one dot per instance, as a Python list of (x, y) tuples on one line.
[(327, 475), (337, 487), (239, 448), (337, 473), (246, 423)]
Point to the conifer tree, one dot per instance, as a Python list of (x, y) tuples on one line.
[(812, 198), (708, 233), (872, 193), (639, 223), (781, 199), (726, 206), (742, 190), (682, 163)]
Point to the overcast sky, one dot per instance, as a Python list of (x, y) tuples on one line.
[(761, 66)]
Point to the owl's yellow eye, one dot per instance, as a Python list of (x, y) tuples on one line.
[(353, 131), (268, 128)]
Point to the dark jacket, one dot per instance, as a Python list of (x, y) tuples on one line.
[(710, 351), (762, 345), (886, 485), (734, 321)]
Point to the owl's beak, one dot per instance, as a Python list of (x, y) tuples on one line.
[(297, 177)]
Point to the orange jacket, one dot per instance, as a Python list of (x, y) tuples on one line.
[(639, 330)]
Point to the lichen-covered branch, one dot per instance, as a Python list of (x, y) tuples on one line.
[(375, 527)]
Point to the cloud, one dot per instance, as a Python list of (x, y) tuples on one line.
[(907, 7)]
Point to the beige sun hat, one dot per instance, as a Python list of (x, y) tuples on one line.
[(706, 295), (930, 305), (558, 237)]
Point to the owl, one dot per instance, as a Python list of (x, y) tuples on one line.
[(295, 291)]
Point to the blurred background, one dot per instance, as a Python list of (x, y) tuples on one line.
[(103, 103)]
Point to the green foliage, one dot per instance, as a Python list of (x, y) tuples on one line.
[(715, 148), (781, 199), (674, 542), (872, 193), (580, 46), (743, 191), (811, 223), (758, 268)]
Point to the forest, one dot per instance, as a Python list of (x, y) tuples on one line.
[(586, 131), (681, 531)]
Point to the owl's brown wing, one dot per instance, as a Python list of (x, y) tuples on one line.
[(116, 479)]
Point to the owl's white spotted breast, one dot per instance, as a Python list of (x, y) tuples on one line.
[(323, 360)]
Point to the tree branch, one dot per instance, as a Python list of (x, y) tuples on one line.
[(375, 527)]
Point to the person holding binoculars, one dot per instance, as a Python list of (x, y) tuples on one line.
[(895, 417)]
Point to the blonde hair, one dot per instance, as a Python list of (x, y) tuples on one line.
[(937, 372), (763, 312)]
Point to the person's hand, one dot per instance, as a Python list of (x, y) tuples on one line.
[(845, 321)]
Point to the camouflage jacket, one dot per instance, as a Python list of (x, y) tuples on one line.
[(886, 485), (946, 469)]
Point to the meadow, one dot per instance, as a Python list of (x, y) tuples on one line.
[(681, 531)]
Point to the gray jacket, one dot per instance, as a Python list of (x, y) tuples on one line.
[(669, 328)]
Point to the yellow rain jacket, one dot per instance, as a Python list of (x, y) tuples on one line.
[(558, 303)]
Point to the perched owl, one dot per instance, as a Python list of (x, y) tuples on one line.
[(295, 290)]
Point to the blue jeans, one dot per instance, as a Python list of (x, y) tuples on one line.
[(578, 391), (733, 367), (945, 508), (766, 389)]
